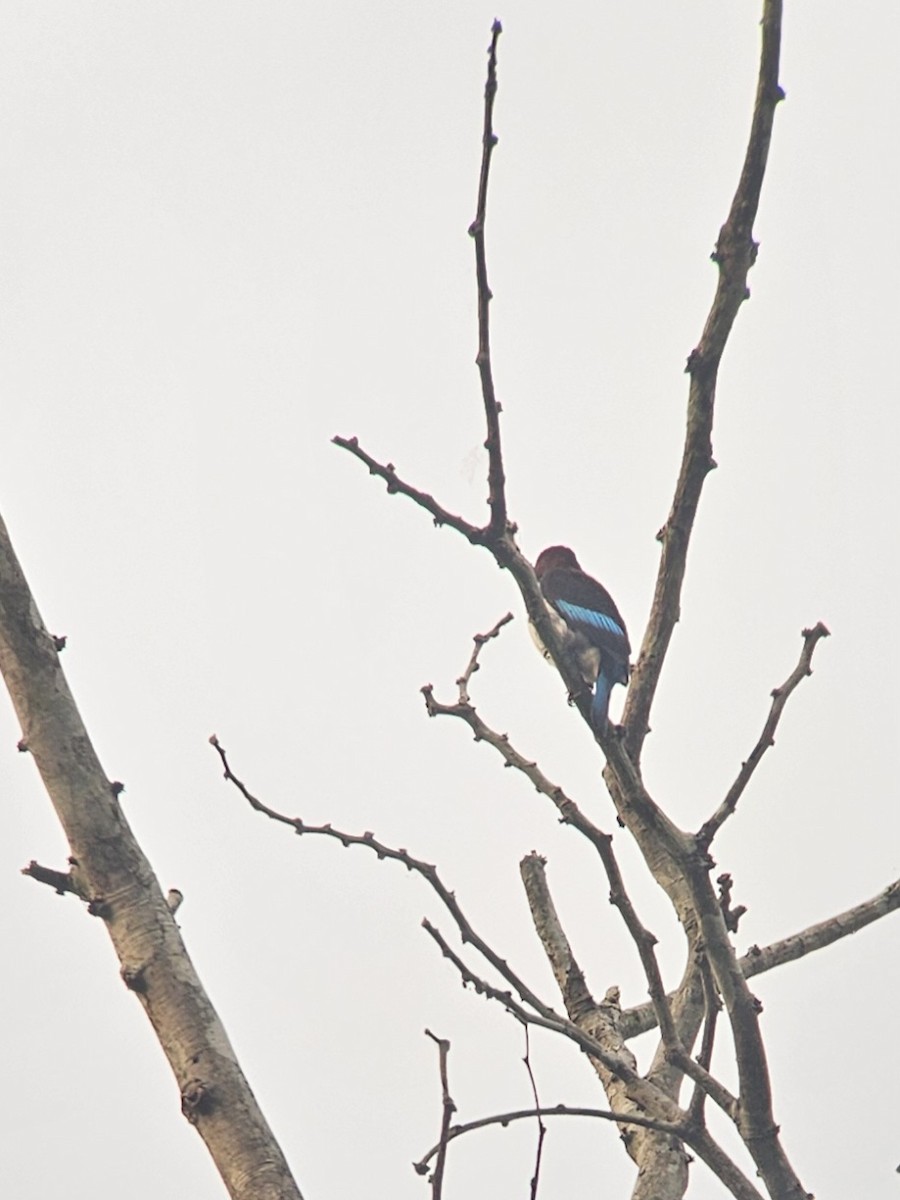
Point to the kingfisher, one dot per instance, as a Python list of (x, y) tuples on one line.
[(592, 625)]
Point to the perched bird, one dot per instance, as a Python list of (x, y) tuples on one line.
[(593, 626)]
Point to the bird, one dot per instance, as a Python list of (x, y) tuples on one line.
[(590, 622)]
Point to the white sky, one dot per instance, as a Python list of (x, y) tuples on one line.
[(232, 231)]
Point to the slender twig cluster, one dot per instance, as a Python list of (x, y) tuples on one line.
[(655, 1126)]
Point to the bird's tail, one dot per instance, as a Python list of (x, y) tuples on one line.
[(600, 705)]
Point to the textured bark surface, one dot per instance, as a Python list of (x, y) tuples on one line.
[(110, 872)]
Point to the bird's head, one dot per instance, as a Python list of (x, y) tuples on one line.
[(555, 558)]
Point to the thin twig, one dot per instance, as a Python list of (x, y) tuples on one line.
[(644, 1094), (496, 479), (427, 871), (558, 1110), (480, 640), (704, 1058), (496, 527), (757, 961), (780, 696), (542, 1128), (448, 1108), (395, 484), (570, 813)]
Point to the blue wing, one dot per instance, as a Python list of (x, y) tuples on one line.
[(574, 614), (591, 614)]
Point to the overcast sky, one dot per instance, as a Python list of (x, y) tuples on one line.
[(232, 230)]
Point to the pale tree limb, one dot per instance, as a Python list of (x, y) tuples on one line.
[(109, 870), (673, 856), (756, 961), (648, 1097), (661, 1161), (685, 877)]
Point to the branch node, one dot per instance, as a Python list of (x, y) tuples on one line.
[(133, 978), (196, 1100)]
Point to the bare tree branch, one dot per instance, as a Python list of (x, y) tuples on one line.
[(395, 484), (645, 1095), (480, 640), (734, 255), (756, 961), (766, 739), (548, 1019), (448, 1108), (496, 527), (814, 937), (428, 871), (496, 479), (677, 861), (526, 1114), (669, 1117), (108, 867), (649, 1154)]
